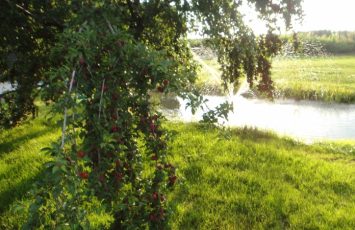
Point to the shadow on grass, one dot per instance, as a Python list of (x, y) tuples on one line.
[(12, 144), (17, 192)]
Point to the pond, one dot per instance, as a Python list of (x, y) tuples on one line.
[(303, 120)]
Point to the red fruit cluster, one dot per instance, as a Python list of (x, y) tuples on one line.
[(160, 89), (153, 217), (82, 61), (114, 116), (154, 157), (152, 127), (84, 175), (80, 154), (166, 82), (172, 179), (115, 129), (118, 177), (155, 196)]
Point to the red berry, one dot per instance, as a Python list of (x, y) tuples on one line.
[(84, 175), (172, 179), (155, 117), (154, 157), (160, 89), (80, 154), (118, 177), (152, 127), (82, 61), (155, 196), (115, 129), (153, 217), (166, 82), (114, 117)]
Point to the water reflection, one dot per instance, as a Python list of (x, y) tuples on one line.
[(304, 120)]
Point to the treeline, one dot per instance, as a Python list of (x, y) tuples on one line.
[(313, 42), (341, 42)]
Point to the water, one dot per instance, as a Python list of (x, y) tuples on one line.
[(304, 120), (6, 86)]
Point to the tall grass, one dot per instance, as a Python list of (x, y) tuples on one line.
[(317, 78)]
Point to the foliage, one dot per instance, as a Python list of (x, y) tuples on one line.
[(28, 30), (103, 68), (315, 43)]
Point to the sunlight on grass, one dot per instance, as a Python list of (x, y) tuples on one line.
[(248, 182), (318, 78), (21, 160)]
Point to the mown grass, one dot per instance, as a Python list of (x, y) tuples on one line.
[(232, 179), (316, 78), (21, 160)]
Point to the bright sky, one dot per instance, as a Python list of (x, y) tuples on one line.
[(335, 15)]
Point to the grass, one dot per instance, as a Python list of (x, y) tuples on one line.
[(330, 79), (233, 179), (21, 161), (255, 180), (318, 78)]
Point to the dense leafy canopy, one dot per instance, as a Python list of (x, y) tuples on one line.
[(107, 58)]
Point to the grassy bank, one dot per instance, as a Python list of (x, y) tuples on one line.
[(238, 179), (330, 79), (319, 78)]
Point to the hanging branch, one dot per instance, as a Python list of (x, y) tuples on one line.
[(66, 110)]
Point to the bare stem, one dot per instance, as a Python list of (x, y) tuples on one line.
[(66, 110)]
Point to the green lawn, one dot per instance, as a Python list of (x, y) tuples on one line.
[(238, 179), (318, 78), (254, 180)]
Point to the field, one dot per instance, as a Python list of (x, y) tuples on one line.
[(318, 78), (329, 79), (228, 179)]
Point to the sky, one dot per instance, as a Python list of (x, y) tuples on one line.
[(335, 15)]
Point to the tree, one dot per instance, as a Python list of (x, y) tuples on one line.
[(109, 60), (28, 30)]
